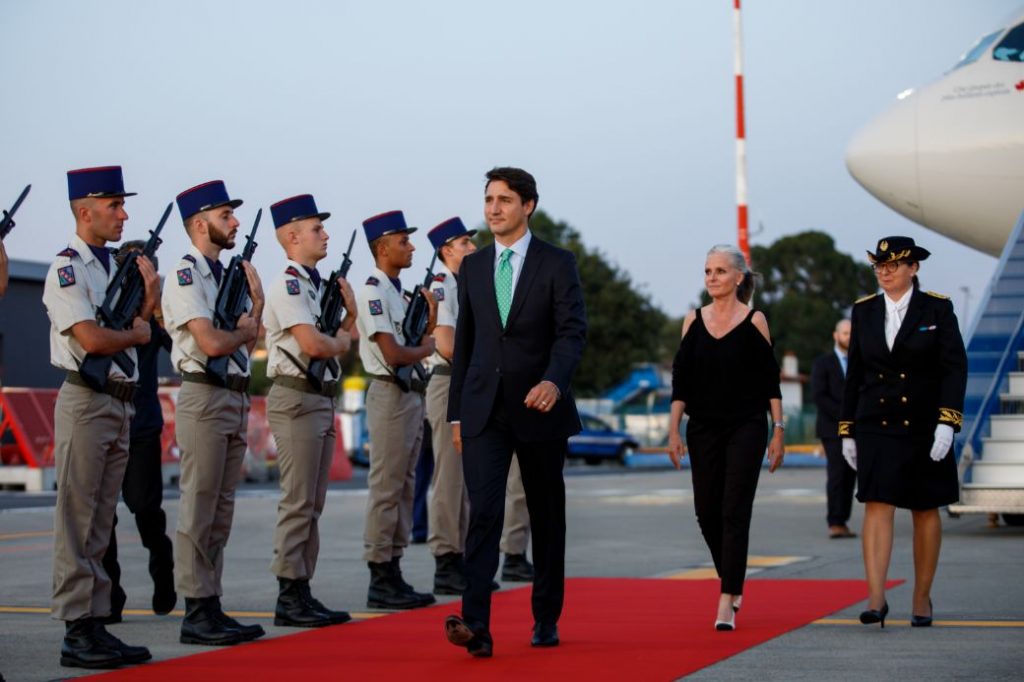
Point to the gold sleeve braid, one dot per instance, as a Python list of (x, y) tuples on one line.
[(948, 415), (845, 429)]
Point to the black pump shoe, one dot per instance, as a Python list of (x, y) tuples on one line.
[(872, 616), (923, 621)]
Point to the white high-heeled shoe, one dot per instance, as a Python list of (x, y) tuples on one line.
[(726, 625)]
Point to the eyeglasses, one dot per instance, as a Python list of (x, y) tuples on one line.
[(888, 267)]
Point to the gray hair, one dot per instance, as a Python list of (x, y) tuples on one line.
[(745, 290)]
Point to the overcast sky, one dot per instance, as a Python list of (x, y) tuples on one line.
[(623, 111)]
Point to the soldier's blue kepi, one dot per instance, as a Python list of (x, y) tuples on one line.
[(296, 208), (385, 223), (212, 194), (105, 181), (447, 231)]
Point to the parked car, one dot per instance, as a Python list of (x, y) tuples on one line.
[(598, 442)]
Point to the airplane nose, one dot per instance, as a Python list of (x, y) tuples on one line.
[(882, 157)]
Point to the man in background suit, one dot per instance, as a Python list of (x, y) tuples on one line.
[(518, 341), (827, 377)]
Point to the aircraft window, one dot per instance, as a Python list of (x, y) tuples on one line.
[(978, 49), (1011, 48)]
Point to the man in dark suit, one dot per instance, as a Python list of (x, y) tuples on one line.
[(518, 340), (827, 377)]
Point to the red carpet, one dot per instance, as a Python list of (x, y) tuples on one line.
[(612, 629)]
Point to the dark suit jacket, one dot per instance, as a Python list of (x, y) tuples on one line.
[(920, 383), (827, 389), (543, 340)]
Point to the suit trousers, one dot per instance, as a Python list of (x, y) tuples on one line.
[(211, 429), (303, 428), (395, 423), (90, 453), (840, 481), (725, 462), (486, 459), (448, 507), (515, 536)]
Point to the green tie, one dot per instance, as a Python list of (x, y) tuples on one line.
[(503, 285)]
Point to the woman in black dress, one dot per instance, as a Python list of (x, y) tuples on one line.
[(726, 378), (903, 401)]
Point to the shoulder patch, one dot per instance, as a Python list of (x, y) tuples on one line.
[(190, 258), (66, 276), (67, 253), (936, 295), (439, 294), (184, 277), (292, 285), (862, 299), (290, 270), (439, 277), (376, 307), (372, 281)]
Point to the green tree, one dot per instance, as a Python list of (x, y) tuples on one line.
[(623, 326), (808, 287)]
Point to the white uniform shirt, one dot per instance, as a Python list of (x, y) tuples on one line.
[(446, 292), (190, 293), (381, 309), (894, 313), (75, 287), (292, 299)]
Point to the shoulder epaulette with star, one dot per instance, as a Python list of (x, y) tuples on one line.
[(439, 277), (372, 281), (862, 299), (290, 270), (937, 295), (67, 253), (190, 258)]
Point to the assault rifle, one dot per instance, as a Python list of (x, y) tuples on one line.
[(414, 328), (7, 222), (331, 307), (119, 308), (232, 298)]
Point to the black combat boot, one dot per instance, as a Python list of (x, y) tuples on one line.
[(249, 632), (517, 569), (83, 649), (202, 626), (448, 575), (426, 599), (130, 654), (385, 592), (336, 617), (293, 611)]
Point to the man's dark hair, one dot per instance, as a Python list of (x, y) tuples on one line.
[(518, 180), (128, 247)]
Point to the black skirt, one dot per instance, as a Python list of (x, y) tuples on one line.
[(898, 470)]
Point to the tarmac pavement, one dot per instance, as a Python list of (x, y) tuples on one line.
[(621, 523)]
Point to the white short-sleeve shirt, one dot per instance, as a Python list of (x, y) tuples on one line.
[(445, 289), (292, 299), (381, 310)]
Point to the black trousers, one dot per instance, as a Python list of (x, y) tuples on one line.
[(485, 463), (839, 484), (725, 462), (143, 492)]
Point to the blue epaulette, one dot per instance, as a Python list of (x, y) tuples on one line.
[(439, 277), (190, 258), (68, 253), (290, 270), (372, 281)]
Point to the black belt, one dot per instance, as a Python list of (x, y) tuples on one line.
[(122, 390), (416, 387), (442, 370), (329, 390), (235, 382)]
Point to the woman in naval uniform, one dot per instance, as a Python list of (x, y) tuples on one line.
[(902, 402)]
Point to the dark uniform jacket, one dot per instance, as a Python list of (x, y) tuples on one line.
[(827, 389), (917, 385)]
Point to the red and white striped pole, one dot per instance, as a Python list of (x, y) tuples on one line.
[(741, 138)]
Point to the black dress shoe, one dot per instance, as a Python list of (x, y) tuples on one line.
[(202, 626), (477, 642), (83, 649), (130, 654), (249, 632), (923, 621), (516, 569), (292, 609), (544, 634), (872, 616)]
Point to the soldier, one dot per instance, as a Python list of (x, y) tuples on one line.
[(394, 418), (211, 419), (90, 428), (448, 499), (301, 415)]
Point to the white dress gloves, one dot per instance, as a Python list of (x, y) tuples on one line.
[(850, 452), (943, 441)]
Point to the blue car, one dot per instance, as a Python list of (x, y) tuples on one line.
[(598, 442)]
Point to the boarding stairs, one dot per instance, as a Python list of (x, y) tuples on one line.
[(991, 443)]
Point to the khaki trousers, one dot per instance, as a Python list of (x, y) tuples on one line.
[(211, 429), (515, 535), (91, 453), (395, 423), (303, 428), (448, 502)]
